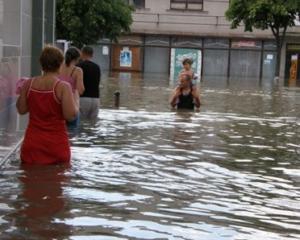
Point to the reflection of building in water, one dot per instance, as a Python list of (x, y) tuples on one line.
[(160, 26), (25, 27), (42, 201)]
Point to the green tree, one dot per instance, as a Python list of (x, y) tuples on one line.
[(276, 15), (86, 21)]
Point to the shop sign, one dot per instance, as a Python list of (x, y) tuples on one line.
[(105, 50), (269, 59), (244, 44)]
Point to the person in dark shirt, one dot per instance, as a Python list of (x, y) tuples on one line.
[(89, 100), (185, 96)]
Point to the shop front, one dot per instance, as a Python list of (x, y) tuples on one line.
[(215, 59), (292, 66)]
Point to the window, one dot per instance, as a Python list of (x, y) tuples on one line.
[(137, 3), (187, 4)]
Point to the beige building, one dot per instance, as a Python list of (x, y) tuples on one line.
[(162, 26)]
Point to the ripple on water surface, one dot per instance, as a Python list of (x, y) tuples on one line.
[(187, 176)]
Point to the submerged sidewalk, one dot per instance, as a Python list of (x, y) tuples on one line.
[(11, 130)]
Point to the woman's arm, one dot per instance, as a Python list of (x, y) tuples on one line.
[(79, 81), (21, 104), (69, 106)]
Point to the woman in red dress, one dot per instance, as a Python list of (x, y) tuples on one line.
[(50, 103)]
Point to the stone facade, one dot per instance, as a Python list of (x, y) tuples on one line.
[(159, 18), (25, 25)]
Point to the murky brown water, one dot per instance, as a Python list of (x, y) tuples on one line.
[(230, 171)]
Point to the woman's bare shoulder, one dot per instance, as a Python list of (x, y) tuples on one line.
[(63, 85), (78, 70)]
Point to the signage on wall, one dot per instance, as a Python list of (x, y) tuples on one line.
[(295, 57), (105, 50), (244, 44), (269, 59), (293, 68), (126, 57), (178, 55)]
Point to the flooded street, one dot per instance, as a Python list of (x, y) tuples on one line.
[(143, 171)]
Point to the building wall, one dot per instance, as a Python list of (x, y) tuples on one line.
[(26, 37), (157, 28), (43, 30), (22, 25), (160, 19)]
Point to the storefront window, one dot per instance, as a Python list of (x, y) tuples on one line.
[(245, 64), (152, 65), (215, 62)]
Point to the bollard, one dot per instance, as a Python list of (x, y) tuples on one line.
[(117, 98)]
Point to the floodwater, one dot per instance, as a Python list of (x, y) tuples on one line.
[(228, 172)]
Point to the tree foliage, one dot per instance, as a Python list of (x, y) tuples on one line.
[(86, 21), (276, 15)]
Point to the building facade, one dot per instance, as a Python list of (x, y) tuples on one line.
[(161, 27), (25, 26)]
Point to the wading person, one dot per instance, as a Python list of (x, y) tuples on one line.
[(73, 75), (50, 103), (185, 96), (89, 101)]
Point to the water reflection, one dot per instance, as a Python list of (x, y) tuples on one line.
[(143, 171), (212, 175), (40, 200)]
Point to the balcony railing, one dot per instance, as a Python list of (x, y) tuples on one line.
[(179, 19), (184, 19)]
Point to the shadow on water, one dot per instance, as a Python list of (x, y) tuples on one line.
[(142, 171)]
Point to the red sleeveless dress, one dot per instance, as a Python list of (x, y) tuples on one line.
[(46, 139)]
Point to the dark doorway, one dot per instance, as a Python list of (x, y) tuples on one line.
[(292, 66)]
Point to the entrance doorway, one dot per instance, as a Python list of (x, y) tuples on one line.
[(292, 66)]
